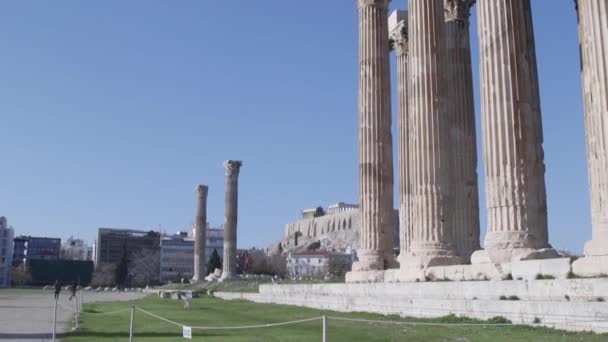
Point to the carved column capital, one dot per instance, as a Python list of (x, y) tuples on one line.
[(399, 39), (233, 167), (458, 10), (375, 3), (202, 190)]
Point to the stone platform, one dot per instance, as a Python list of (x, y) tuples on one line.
[(568, 304)]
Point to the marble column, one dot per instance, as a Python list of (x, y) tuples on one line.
[(512, 134), (233, 168), (375, 139), (429, 145), (200, 229), (399, 42), (593, 32), (464, 215)]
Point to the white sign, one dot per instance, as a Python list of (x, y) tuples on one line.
[(187, 332)]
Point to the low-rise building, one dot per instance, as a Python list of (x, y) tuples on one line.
[(26, 248), (177, 254), (111, 243), (176, 258), (6, 252), (318, 264)]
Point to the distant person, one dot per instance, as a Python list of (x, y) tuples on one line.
[(57, 289), (73, 288), (185, 299)]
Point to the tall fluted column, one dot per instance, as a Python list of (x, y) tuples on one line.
[(399, 42), (429, 144), (199, 233), (233, 168), (512, 129), (593, 32), (375, 140), (464, 215)]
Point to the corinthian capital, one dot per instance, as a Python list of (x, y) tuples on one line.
[(397, 27), (458, 9), (233, 167), (374, 3)]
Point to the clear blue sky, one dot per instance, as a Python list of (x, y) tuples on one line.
[(112, 111)]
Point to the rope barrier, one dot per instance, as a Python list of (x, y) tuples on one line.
[(267, 325), (161, 318)]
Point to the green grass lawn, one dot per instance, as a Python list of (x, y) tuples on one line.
[(209, 311)]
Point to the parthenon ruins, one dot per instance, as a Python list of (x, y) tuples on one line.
[(439, 229)]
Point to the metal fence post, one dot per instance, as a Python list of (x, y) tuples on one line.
[(76, 314), (131, 324), (54, 318), (324, 329)]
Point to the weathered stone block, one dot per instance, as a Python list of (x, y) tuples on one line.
[(591, 266), (364, 276), (558, 268)]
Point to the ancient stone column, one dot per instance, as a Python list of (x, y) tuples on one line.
[(464, 215), (593, 32), (375, 139), (199, 233), (399, 42), (512, 133), (429, 145), (233, 168)]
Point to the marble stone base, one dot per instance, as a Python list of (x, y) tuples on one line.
[(591, 266), (364, 277), (404, 275), (502, 256), (559, 268), (485, 271)]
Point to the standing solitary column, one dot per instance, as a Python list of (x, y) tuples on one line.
[(429, 144), (232, 200), (464, 216), (593, 32), (397, 23), (512, 129), (375, 140), (199, 233)]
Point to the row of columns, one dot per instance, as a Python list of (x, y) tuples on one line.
[(438, 194), (230, 225)]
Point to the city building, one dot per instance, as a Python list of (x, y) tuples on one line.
[(177, 254), (215, 240), (318, 264), (6, 252), (176, 258), (19, 246), (111, 243), (74, 249), (28, 248), (90, 251)]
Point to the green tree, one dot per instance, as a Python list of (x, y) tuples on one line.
[(214, 262), (122, 269)]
